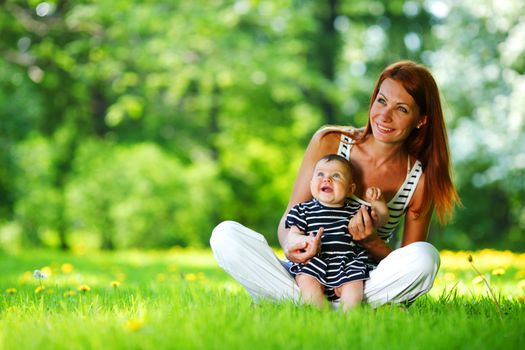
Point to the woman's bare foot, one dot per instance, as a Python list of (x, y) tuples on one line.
[(379, 207)]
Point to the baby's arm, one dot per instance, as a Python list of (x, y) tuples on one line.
[(379, 208)]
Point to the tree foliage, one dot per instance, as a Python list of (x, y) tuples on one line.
[(144, 123)]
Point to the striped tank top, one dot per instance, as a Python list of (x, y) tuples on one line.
[(398, 204)]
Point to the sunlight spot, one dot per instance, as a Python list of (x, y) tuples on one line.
[(342, 24), (376, 8), (439, 9), (357, 68), (241, 7), (521, 285), (375, 40), (23, 44), (36, 74), (412, 41), (411, 8), (44, 9), (278, 24), (449, 276), (258, 77)]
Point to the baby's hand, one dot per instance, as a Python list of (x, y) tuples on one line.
[(379, 207), (373, 194)]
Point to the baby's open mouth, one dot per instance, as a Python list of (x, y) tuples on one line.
[(326, 189)]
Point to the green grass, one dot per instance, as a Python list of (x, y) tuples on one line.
[(180, 299)]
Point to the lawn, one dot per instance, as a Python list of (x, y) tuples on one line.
[(181, 299)]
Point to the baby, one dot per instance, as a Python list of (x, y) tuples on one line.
[(340, 268)]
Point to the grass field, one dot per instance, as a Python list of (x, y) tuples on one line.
[(181, 299)]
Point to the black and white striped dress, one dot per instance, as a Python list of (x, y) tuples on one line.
[(340, 260)]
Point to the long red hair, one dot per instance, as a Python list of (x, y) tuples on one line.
[(428, 143)]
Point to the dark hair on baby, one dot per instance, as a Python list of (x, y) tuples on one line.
[(340, 159)]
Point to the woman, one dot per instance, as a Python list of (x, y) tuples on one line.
[(403, 151)]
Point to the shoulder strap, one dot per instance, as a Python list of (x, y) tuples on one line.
[(345, 144), (412, 180)]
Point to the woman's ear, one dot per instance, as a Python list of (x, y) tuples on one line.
[(421, 122)]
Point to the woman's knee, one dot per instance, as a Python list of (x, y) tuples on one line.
[(222, 235), (425, 258)]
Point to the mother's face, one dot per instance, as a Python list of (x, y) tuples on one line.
[(394, 113)]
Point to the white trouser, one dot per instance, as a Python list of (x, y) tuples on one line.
[(402, 276)]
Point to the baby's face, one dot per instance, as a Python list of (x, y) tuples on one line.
[(331, 183)]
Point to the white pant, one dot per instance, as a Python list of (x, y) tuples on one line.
[(402, 276)]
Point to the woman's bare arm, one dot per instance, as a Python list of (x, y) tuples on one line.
[(416, 224)]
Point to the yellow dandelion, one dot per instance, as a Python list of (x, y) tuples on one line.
[(521, 284), (115, 284), (190, 277), (39, 289), (10, 290), (498, 272), (172, 268), (134, 325), (477, 280), (83, 288), (69, 293), (161, 277), (67, 268)]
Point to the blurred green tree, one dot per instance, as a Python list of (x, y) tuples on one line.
[(144, 123)]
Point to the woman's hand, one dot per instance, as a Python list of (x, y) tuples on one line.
[(361, 226), (356, 133), (300, 248)]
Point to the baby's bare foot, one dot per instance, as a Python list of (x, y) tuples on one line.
[(379, 207)]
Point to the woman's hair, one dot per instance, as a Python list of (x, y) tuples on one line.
[(428, 143)]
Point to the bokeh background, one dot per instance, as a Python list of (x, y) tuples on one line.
[(144, 123)]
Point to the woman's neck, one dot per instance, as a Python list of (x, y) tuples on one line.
[(380, 153)]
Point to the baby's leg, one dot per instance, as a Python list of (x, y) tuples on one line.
[(351, 294), (379, 207), (311, 290)]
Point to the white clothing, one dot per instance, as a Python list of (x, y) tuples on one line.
[(405, 274)]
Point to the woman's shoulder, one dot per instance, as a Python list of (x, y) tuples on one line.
[(333, 133), (340, 129)]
